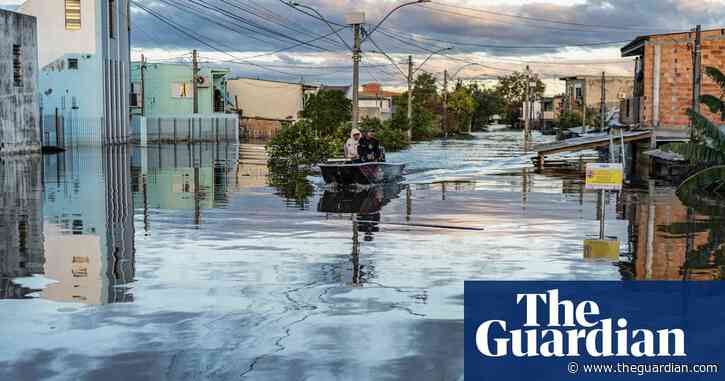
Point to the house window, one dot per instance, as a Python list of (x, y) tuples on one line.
[(578, 92), (73, 63), (17, 66), (73, 14), (112, 18)]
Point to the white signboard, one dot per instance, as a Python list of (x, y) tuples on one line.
[(604, 176)]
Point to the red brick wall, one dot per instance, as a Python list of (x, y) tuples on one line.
[(676, 77)]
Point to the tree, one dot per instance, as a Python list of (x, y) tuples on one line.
[(462, 103), (488, 103), (512, 88), (425, 104), (327, 110)]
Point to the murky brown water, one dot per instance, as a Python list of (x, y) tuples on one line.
[(183, 262)]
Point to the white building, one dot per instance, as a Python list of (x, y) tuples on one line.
[(84, 56), (268, 99)]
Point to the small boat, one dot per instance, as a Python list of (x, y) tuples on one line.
[(346, 173), (496, 127)]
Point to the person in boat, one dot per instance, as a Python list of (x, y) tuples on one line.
[(352, 144), (369, 148)]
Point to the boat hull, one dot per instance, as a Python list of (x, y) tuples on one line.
[(361, 173)]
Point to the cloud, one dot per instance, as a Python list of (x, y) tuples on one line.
[(500, 34)]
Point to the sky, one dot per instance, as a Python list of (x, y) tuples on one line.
[(482, 39)]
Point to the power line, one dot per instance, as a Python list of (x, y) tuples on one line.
[(540, 19)]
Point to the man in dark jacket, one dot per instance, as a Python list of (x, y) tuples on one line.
[(369, 148)]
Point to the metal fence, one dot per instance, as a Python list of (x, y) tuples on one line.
[(185, 128)]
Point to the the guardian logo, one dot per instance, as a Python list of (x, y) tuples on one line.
[(573, 330)]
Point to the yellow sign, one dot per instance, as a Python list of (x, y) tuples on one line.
[(601, 249), (602, 176)]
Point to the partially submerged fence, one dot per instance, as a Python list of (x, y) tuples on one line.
[(185, 128)]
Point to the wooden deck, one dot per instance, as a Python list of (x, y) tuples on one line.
[(584, 143)]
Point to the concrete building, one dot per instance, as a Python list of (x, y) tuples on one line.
[(265, 105), (276, 100), (374, 102), (169, 89), (84, 56), (581, 90), (663, 79), (19, 112)]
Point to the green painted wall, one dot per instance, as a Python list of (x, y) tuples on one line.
[(163, 83)]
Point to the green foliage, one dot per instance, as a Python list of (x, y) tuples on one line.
[(327, 110), (715, 104), (301, 144), (462, 103), (512, 88), (710, 151), (705, 191), (291, 184), (569, 119), (488, 103)]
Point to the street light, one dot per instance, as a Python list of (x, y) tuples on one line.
[(391, 12), (356, 20), (321, 17)]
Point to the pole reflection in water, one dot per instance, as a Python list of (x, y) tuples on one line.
[(182, 177), (364, 205), (88, 214)]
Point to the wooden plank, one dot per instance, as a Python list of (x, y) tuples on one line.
[(579, 144)]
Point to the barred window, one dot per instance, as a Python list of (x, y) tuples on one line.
[(73, 14), (17, 66)]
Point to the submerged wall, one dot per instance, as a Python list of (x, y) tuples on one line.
[(19, 110)]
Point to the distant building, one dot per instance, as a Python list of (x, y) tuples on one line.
[(83, 53), (545, 111), (19, 115), (663, 79), (586, 90), (265, 99), (374, 102), (169, 89), (264, 105)]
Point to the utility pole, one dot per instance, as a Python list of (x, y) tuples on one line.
[(696, 76), (143, 86), (410, 98), (527, 104), (602, 117), (445, 103), (195, 79), (356, 75)]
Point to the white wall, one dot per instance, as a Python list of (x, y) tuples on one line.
[(266, 99), (54, 40)]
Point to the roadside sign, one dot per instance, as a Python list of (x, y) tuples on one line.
[(596, 249), (603, 176)]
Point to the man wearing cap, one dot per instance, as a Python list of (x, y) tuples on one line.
[(369, 148), (352, 144)]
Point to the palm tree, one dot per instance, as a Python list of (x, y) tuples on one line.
[(707, 150)]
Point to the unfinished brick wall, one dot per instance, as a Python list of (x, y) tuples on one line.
[(258, 128), (675, 93)]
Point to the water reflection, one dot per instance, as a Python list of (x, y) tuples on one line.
[(88, 224), (669, 240), (364, 206), (21, 225)]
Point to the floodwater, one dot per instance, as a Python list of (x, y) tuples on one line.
[(197, 262)]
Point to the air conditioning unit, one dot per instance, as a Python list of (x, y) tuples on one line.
[(202, 81)]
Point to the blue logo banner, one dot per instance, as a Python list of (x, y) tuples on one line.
[(537, 331)]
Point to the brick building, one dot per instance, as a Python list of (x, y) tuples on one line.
[(587, 90), (663, 79)]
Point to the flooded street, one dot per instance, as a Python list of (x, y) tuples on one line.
[(197, 262)]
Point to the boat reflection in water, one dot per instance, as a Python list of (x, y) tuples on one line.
[(365, 205)]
